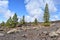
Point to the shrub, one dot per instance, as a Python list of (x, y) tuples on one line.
[(46, 24)]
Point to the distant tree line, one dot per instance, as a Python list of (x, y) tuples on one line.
[(13, 21)]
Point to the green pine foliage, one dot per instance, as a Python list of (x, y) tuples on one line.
[(22, 21), (9, 22), (46, 16), (12, 22), (35, 21), (3, 23)]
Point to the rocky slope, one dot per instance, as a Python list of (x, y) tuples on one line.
[(32, 33), (46, 33)]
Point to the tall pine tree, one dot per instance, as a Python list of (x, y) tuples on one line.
[(23, 20), (46, 15), (35, 21), (9, 22), (14, 20)]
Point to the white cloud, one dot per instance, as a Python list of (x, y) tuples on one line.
[(4, 4), (55, 17), (4, 9), (3, 0), (29, 19), (35, 8), (52, 6), (8, 14)]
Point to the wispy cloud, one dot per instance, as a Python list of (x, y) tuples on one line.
[(4, 9), (55, 17), (8, 14), (35, 8)]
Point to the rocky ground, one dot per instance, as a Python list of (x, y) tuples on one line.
[(44, 33)]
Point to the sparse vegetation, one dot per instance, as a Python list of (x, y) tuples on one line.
[(12, 22), (35, 30)]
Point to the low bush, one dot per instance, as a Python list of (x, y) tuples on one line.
[(46, 24)]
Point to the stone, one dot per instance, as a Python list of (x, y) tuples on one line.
[(52, 34), (45, 32), (48, 38), (58, 31), (43, 39), (12, 31), (58, 38), (24, 35), (19, 25), (53, 24), (1, 34), (1, 29), (36, 28)]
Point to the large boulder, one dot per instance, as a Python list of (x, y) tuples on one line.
[(52, 34), (19, 25), (1, 34), (58, 31), (12, 31)]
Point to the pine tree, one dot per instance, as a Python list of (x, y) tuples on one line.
[(9, 22), (35, 21), (20, 22), (46, 15), (3, 23), (14, 20), (23, 20)]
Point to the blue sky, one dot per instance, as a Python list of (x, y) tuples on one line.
[(30, 8), (18, 7)]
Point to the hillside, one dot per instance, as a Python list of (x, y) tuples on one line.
[(32, 33)]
